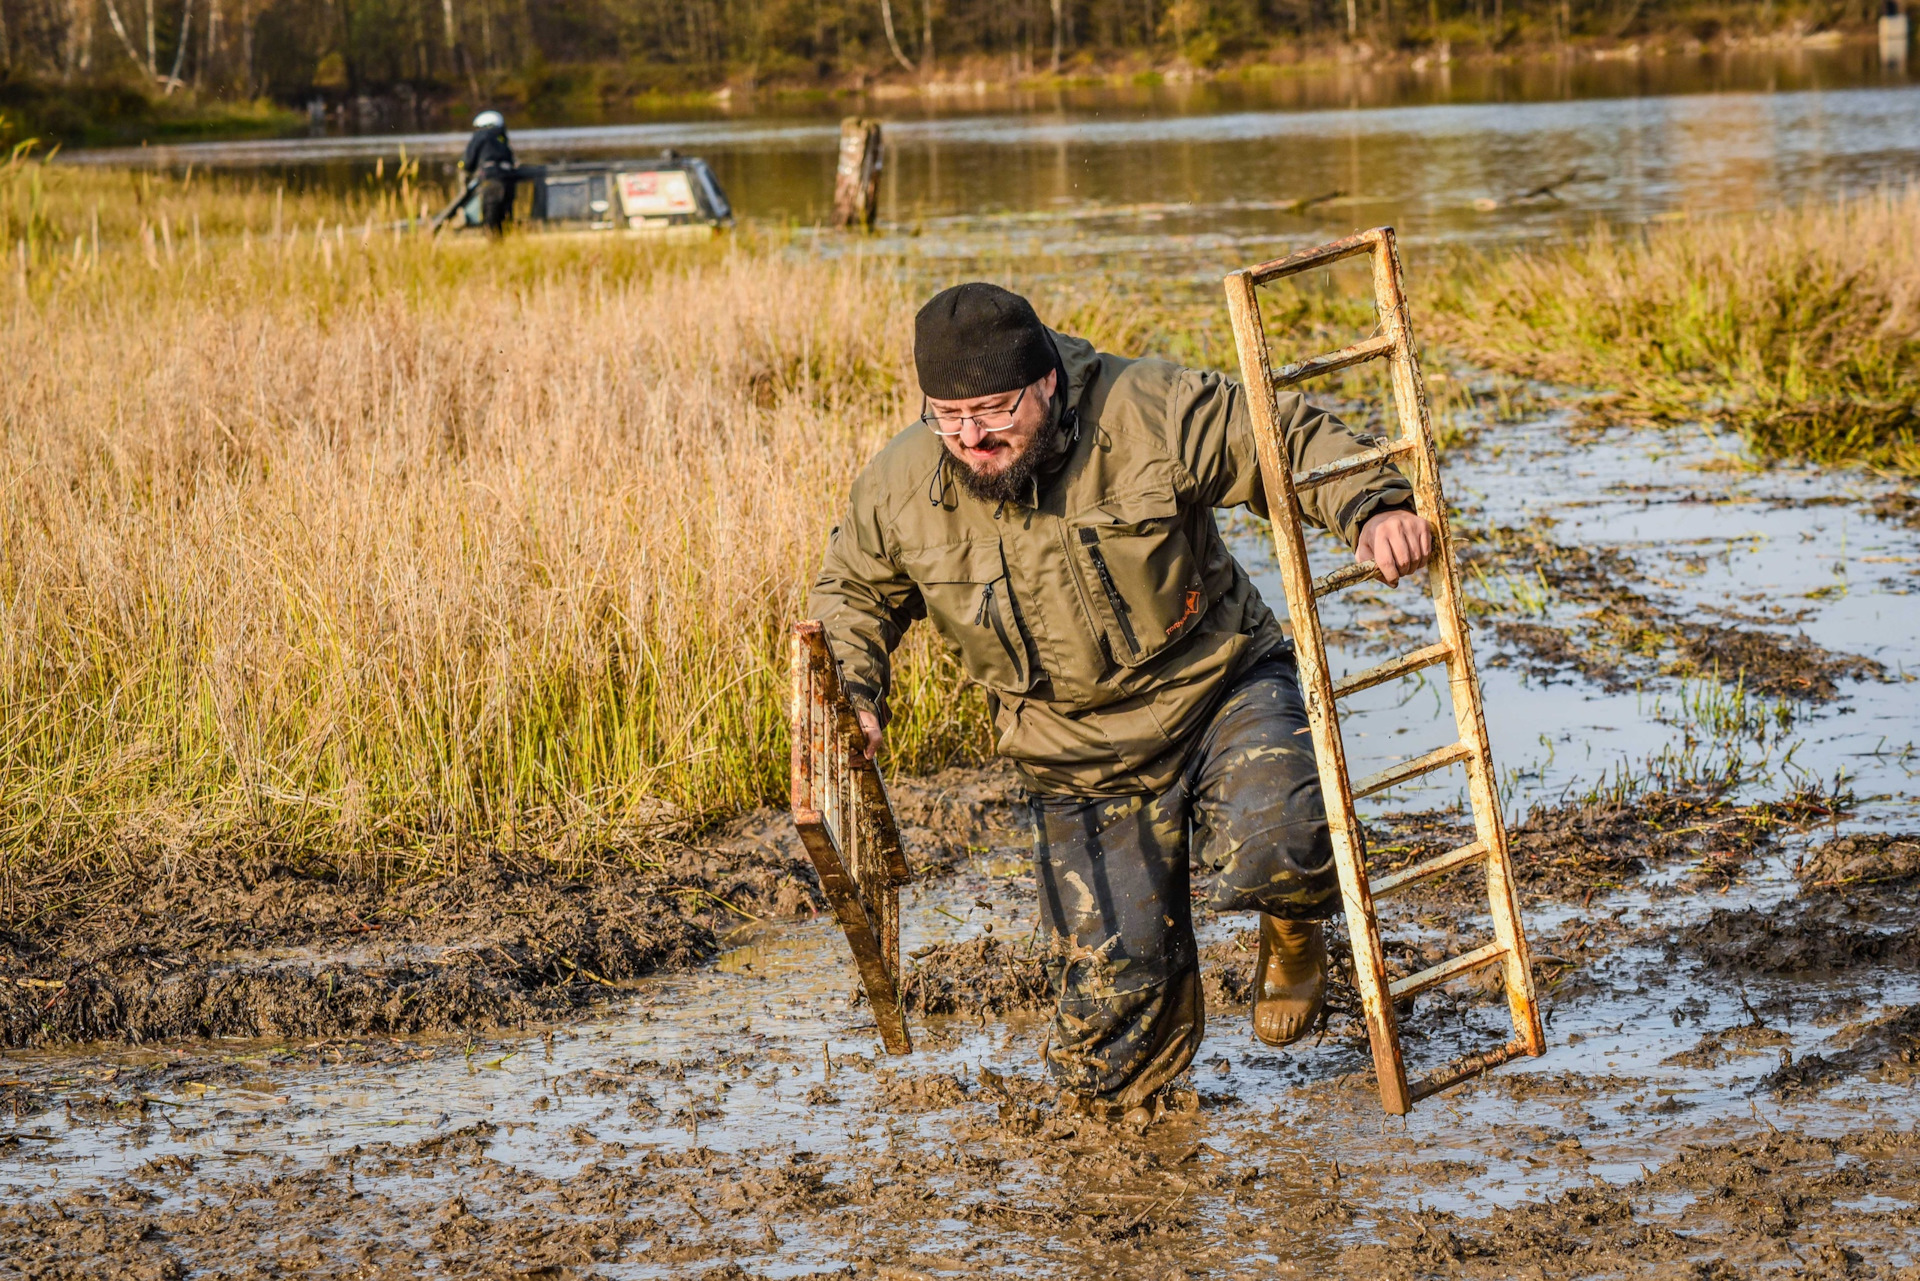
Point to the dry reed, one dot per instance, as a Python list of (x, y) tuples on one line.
[(326, 542), (1797, 326), (369, 550)]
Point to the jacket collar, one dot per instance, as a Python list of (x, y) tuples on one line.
[(1078, 364)]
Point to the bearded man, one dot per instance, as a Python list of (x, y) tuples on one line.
[(1052, 514)]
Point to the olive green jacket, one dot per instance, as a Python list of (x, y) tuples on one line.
[(1104, 620)]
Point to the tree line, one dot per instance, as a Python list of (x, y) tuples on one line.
[(292, 49)]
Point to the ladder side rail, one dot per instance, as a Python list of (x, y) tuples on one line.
[(1410, 400), (1316, 682), (800, 723)]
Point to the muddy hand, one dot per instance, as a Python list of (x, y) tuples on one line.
[(1399, 542), (871, 724)]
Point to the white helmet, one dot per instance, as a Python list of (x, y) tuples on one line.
[(489, 120)]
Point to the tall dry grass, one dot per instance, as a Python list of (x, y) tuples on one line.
[(1798, 326), (371, 550), (322, 541)]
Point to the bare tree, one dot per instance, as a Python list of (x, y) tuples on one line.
[(180, 45), (210, 45), (893, 41), (120, 29)]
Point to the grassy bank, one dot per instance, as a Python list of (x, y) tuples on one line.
[(342, 545), (325, 542), (1798, 327), (112, 110)]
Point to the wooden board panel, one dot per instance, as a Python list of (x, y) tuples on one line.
[(846, 823)]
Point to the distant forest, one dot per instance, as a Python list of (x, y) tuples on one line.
[(556, 50)]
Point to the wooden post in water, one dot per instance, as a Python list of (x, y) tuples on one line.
[(856, 183)]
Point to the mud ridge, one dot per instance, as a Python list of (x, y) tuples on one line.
[(1751, 1206), (1885, 1047), (264, 948), (1621, 634), (1750, 941), (1871, 863)]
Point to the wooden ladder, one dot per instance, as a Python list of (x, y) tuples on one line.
[(846, 822), (1412, 447)]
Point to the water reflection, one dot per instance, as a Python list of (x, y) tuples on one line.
[(1216, 171)]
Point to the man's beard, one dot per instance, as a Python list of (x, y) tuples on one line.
[(1014, 482)]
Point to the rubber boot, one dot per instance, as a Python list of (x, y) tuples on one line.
[(1289, 979)]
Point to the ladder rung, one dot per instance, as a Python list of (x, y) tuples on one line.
[(1392, 669), (1305, 480), (1432, 867), (1465, 1069), (1359, 353), (1345, 576), (1434, 975), (1394, 775), (1321, 256)]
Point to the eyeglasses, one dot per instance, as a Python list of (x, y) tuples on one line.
[(990, 420)]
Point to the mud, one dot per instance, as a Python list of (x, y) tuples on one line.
[(1898, 507), (1866, 863), (984, 975), (1885, 1048), (1855, 910), (1612, 627), (1572, 852), (1759, 941), (1779, 1205), (277, 950)]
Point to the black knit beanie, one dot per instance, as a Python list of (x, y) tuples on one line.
[(978, 339)]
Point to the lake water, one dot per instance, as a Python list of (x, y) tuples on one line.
[(1170, 175)]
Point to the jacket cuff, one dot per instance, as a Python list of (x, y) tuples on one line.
[(867, 699), (1363, 507)]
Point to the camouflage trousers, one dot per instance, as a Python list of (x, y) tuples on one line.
[(1115, 902)]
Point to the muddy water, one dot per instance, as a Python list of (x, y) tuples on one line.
[(733, 1121), (1719, 543), (1184, 174)]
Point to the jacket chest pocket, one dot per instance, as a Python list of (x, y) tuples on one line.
[(1143, 578), (970, 601)]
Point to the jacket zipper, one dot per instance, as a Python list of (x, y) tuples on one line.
[(1120, 612), (988, 616)]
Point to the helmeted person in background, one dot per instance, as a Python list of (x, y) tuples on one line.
[(1052, 514), (490, 158)]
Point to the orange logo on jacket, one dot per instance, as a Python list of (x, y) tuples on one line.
[(1195, 599)]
